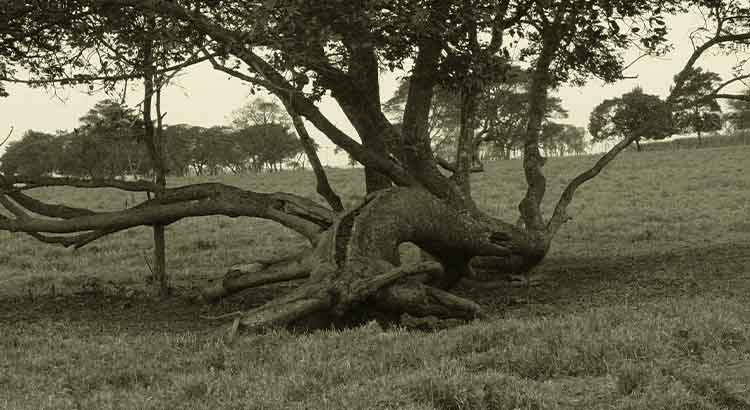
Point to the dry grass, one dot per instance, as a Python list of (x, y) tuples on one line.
[(645, 307)]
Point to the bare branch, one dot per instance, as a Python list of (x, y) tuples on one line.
[(297, 213), (323, 186), (19, 213), (741, 97), (559, 217), (83, 78), (716, 40), (48, 210), (8, 137)]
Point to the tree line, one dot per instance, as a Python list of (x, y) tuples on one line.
[(108, 143)]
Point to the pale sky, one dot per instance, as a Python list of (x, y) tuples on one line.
[(205, 97)]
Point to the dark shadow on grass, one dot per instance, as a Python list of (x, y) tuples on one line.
[(570, 283)]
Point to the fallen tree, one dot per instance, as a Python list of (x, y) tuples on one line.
[(299, 51)]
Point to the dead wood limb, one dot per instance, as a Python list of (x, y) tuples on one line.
[(355, 266), (48, 210), (283, 313), (298, 213), (258, 274), (418, 299)]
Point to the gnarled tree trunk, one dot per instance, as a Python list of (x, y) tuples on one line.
[(355, 271)]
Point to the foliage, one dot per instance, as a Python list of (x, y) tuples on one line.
[(108, 143), (693, 110), (35, 154), (262, 131), (501, 114), (259, 111), (633, 116), (443, 120), (563, 139), (739, 117)]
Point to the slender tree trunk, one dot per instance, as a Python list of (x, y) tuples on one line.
[(465, 147), (160, 243), (155, 145), (637, 145)]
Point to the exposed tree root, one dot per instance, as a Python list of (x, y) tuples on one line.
[(355, 267)]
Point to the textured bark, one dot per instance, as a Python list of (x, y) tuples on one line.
[(358, 95), (356, 269), (533, 162), (297, 213), (259, 273), (155, 146)]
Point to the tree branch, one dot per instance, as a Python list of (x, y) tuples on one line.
[(718, 39), (323, 186), (48, 210), (84, 78), (559, 217), (294, 212), (10, 133)]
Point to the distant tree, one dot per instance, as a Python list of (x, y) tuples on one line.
[(444, 118), (501, 113), (106, 144), (693, 112), (259, 111), (563, 139), (35, 154), (267, 146), (179, 141), (214, 150), (635, 115), (739, 117), (263, 136)]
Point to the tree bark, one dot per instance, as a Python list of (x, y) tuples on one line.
[(355, 266), (152, 88), (533, 162), (466, 148)]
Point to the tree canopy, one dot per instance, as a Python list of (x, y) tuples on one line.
[(633, 117)]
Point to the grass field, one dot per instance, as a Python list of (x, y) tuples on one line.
[(645, 305)]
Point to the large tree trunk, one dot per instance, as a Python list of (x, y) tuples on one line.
[(355, 272)]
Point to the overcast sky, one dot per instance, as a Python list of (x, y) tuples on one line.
[(206, 97)]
